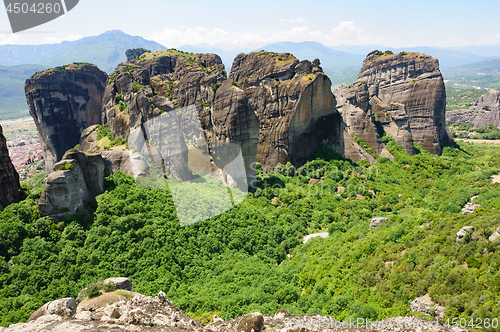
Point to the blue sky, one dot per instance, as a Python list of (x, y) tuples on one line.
[(249, 24)]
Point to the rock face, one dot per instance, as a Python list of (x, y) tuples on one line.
[(62, 308), (134, 53), (274, 107), (425, 305), (9, 179), (461, 234), (402, 95), (128, 311), (485, 112), (63, 102), (120, 283), (75, 181), (277, 109)]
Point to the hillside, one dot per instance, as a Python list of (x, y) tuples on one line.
[(12, 100), (483, 74), (251, 257), (105, 51)]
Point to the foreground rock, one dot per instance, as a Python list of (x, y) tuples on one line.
[(75, 181), (9, 179), (470, 207), (63, 101), (402, 95), (484, 112)]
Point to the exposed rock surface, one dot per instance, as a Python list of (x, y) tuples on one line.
[(63, 308), (401, 94), (484, 112), (425, 305), (120, 283), (63, 102), (470, 207), (463, 232), (310, 236), (134, 53), (377, 221), (277, 109), (9, 179), (115, 159), (69, 188), (495, 235)]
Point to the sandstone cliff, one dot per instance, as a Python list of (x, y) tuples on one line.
[(485, 112), (277, 109), (64, 101), (9, 179), (74, 182), (402, 94)]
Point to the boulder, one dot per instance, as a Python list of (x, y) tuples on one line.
[(9, 178), (463, 232), (120, 283), (63, 308), (425, 305), (63, 102), (74, 182), (470, 207), (377, 221), (281, 313), (494, 236), (251, 323)]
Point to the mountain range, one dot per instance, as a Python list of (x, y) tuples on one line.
[(341, 63)]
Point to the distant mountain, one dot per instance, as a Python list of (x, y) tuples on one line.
[(331, 60), (483, 74), (19, 62), (105, 51), (448, 57), (12, 99)]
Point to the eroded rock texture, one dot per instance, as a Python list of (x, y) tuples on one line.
[(401, 94), (75, 181), (9, 179), (277, 108), (485, 112), (64, 101)]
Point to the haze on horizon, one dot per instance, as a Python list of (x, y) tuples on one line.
[(231, 25)]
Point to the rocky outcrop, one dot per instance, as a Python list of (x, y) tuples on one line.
[(63, 308), (75, 181), (484, 112), (425, 305), (277, 108), (470, 207), (463, 232), (402, 95), (134, 53), (377, 221), (129, 311), (9, 179), (63, 101)]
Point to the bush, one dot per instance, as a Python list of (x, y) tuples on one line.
[(66, 167)]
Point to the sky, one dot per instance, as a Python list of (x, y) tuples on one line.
[(234, 25)]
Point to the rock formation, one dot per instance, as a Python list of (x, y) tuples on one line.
[(129, 311), (484, 112), (402, 95), (377, 221), (9, 179), (462, 233), (75, 181), (64, 101), (274, 107), (277, 108), (470, 207), (425, 305), (134, 53)]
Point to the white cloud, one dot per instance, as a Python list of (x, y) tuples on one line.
[(493, 40), (345, 33), (55, 40), (9, 38)]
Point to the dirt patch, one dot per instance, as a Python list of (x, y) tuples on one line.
[(495, 178)]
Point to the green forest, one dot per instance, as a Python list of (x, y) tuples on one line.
[(251, 258)]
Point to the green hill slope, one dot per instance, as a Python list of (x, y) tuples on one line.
[(237, 262)]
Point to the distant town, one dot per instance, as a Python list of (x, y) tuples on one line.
[(24, 146)]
